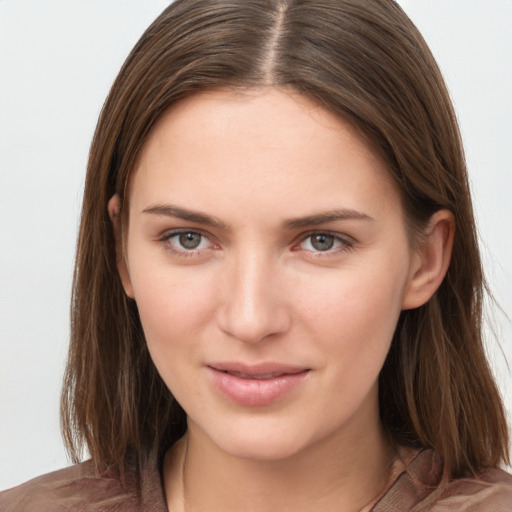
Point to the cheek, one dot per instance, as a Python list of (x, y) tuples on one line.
[(364, 297), (355, 315), (174, 306), (174, 309)]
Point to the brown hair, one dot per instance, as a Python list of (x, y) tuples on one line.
[(367, 62)]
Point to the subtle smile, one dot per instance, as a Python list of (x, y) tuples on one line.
[(256, 385)]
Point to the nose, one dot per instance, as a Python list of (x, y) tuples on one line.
[(253, 304)]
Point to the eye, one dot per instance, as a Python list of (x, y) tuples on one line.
[(324, 242), (186, 241), (189, 240)]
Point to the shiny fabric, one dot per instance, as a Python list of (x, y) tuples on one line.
[(416, 489)]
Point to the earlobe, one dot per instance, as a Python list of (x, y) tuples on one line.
[(114, 209), (431, 260)]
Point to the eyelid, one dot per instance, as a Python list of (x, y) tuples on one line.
[(171, 233), (347, 241)]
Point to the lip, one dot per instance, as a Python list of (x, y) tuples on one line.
[(255, 385)]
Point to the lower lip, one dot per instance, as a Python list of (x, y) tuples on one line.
[(255, 392)]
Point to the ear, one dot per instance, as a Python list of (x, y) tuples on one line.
[(114, 209), (431, 260)]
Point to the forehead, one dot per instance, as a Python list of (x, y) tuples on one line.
[(268, 143)]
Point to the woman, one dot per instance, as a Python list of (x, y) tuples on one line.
[(278, 289)]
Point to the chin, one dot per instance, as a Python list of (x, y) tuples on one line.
[(263, 449), (260, 440)]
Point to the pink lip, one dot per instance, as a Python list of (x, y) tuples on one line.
[(255, 385)]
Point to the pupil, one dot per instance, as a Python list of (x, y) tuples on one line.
[(322, 242), (190, 240)]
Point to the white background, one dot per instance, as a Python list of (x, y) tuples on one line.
[(57, 61)]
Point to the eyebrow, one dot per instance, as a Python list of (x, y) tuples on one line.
[(168, 210), (322, 218)]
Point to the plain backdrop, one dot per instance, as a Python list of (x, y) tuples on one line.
[(58, 59)]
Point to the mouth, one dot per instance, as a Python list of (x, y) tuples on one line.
[(265, 376), (269, 370), (256, 385)]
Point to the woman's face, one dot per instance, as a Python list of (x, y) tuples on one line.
[(268, 257)]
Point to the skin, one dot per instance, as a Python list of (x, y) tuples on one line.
[(259, 287)]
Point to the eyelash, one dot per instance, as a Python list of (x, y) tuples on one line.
[(345, 244), (168, 236)]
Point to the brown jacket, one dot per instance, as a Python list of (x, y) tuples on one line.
[(416, 489)]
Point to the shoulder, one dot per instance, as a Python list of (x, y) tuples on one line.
[(81, 488), (419, 489), (491, 491), (74, 488)]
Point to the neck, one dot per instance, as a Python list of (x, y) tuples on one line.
[(328, 476)]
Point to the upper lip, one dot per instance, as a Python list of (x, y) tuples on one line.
[(257, 370)]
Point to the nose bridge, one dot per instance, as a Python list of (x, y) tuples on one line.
[(253, 305)]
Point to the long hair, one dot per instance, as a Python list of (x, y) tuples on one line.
[(366, 62)]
